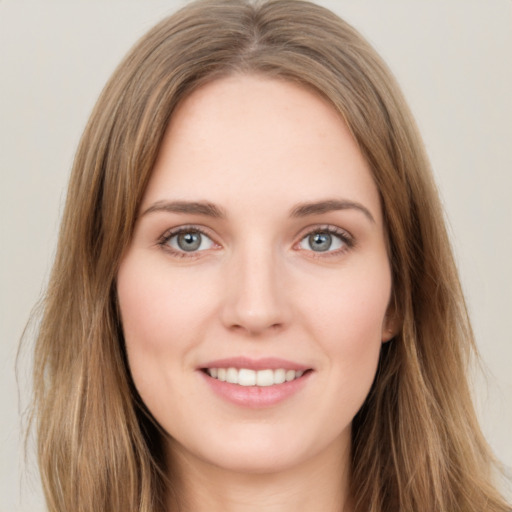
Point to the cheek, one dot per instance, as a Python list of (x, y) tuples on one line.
[(150, 312), (164, 318), (147, 310), (153, 305), (353, 306), (347, 321)]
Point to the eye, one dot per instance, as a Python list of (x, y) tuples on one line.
[(187, 240), (325, 240)]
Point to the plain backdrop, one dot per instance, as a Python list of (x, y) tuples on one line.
[(453, 59)]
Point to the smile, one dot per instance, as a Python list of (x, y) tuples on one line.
[(248, 377), (255, 383)]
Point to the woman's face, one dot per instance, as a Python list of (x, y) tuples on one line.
[(259, 256)]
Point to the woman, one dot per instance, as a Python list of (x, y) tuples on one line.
[(253, 289)]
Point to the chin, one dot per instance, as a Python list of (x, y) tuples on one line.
[(250, 449)]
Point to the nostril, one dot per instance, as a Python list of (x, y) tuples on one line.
[(254, 329)]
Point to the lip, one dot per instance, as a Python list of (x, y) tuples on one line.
[(255, 397), (266, 363)]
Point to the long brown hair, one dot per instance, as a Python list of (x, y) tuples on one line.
[(416, 444)]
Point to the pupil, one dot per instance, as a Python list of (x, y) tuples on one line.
[(189, 241), (320, 241)]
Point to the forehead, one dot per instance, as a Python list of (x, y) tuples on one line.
[(266, 140)]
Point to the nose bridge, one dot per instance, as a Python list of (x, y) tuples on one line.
[(255, 298)]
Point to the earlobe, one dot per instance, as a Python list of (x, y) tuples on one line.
[(391, 325), (388, 334)]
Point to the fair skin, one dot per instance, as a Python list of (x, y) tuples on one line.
[(260, 246)]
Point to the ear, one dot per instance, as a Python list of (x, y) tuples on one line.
[(392, 323), (388, 334)]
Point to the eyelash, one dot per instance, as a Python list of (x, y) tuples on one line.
[(168, 235), (347, 240)]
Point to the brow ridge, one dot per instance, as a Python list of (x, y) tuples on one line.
[(328, 205), (187, 207), (301, 210)]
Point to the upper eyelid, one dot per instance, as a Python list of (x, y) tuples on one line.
[(169, 233), (347, 239), (304, 232), (318, 228), (164, 239)]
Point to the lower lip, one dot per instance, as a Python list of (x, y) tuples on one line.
[(256, 397)]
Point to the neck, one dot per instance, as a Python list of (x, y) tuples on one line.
[(321, 483)]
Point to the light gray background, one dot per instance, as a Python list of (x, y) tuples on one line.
[(453, 59)]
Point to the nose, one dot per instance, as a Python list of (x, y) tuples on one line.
[(255, 293)]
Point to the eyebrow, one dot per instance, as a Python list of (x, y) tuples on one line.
[(190, 207), (329, 205), (301, 210)]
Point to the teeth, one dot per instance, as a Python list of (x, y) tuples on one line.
[(246, 377), (232, 375), (279, 376), (265, 378)]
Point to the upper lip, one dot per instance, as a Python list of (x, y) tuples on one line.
[(265, 363)]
